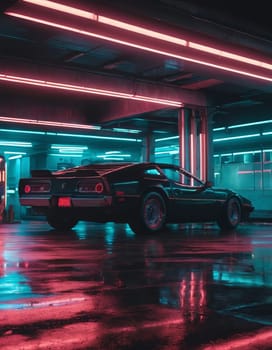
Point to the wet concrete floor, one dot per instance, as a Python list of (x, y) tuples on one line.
[(100, 286)]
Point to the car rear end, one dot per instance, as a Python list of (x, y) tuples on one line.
[(67, 192)]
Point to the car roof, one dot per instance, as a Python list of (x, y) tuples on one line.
[(101, 169)]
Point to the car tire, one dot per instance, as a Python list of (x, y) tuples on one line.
[(61, 220), (152, 215), (231, 215)]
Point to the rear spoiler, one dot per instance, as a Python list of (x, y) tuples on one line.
[(41, 173), (66, 172), (75, 172)]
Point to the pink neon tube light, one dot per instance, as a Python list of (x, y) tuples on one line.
[(141, 47), (106, 20), (63, 8), (192, 155), (147, 32), (47, 123), (202, 153), (88, 90)]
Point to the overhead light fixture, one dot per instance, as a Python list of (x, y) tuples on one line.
[(15, 157), (15, 144), (167, 138), (69, 149), (230, 55), (98, 137), (65, 155), (107, 20), (171, 149), (237, 137), (114, 155), (166, 152), (223, 155), (14, 152), (267, 133), (113, 152), (83, 89), (129, 131), (246, 152), (250, 124), (79, 148), (140, 30), (46, 123), (220, 129), (145, 31), (23, 131)]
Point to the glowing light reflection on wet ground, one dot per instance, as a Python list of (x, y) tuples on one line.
[(188, 288)]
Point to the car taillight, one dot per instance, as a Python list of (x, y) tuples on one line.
[(27, 189), (99, 187), (90, 187), (37, 187)]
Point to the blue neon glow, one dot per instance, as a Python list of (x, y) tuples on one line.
[(236, 137), (167, 138)]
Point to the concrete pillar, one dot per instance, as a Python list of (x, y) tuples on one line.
[(193, 141), (184, 136)]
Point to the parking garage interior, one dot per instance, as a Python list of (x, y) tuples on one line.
[(91, 81)]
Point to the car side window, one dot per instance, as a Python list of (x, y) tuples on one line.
[(190, 181), (172, 174), (152, 171), (181, 178)]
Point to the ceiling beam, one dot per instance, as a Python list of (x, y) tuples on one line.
[(133, 96)]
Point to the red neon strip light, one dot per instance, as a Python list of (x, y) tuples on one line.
[(230, 55), (192, 155), (143, 31), (201, 156), (106, 20), (202, 153), (47, 123), (182, 138), (147, 32), (63, 8), (137, 46), (84, 89)]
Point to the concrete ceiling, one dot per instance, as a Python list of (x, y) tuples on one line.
[(148, 66)]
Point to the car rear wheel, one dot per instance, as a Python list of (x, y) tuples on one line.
[(61, 220), (152, 216), (231, 215)]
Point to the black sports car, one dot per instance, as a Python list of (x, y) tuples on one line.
[(147, 196)]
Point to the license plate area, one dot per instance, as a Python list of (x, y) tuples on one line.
[(64, 202)]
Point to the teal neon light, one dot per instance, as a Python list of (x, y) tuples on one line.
[(250, 124), (243, 125), (219, 129), (100, 137), (24, 131), (15, 157), (13, 152), (15, 144), (236, 137), (49, 133), (66, 155), (167, 138)]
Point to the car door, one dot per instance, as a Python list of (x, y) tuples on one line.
[(193, 200)]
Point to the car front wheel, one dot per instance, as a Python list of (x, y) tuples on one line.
[(231, 215), (61, 220), (152, 215)]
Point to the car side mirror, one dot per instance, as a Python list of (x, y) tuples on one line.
[(208, 184)]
